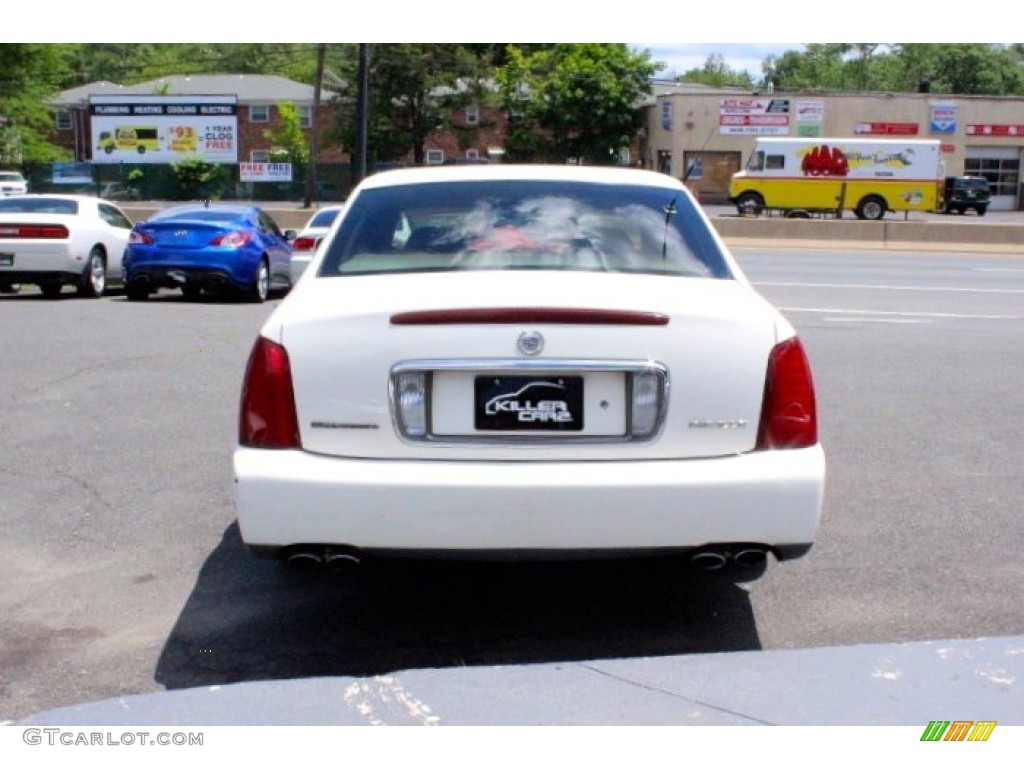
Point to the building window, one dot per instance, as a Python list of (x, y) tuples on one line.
[(259, 113), (63, 119), (259, 156), (305, 116), (435, 157), (472, 155), (472, 115)]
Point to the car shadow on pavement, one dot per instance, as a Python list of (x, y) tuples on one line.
[(249, 619)]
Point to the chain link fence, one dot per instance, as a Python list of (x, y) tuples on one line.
[(150, 181)]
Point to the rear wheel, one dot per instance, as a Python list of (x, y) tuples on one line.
[(981, 209), (871, 208), (93, 281), (260, 288)]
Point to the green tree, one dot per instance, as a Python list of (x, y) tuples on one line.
[(718, 73), (31, 75), (414, 89), (576, 100), (197, 179), (288, 143), (955, 68)]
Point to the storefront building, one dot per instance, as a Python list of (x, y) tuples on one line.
[(703, 135)]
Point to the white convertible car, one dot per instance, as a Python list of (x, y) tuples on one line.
[(527, 361)]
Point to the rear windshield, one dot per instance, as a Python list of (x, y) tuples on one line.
[(11, 177), (200, 214), (38, 205), (976, 184), (324, 218), (536, 225)]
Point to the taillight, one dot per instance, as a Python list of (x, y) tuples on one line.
[(304, 244), (35, 231), (232, 239), (789, 417), (267, 417), (139, 238)]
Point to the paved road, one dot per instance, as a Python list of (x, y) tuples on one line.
[(123, 572)]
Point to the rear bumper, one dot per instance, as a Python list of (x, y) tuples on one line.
[(208, 268), (36, 264), (211, 278), (289, 498)]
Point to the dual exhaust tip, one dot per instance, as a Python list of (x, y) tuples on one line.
[(348, 559), (341, 559), (716, 558)]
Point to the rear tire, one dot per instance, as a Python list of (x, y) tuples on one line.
[(260, 288), (981, 209), (93, 281), (871, 208)]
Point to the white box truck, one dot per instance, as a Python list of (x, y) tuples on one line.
[(817, 175)]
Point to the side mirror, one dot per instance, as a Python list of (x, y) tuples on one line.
[(290, 234)]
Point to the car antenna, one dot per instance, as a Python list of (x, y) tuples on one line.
[(670, 211)]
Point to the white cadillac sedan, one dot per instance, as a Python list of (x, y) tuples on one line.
[(554, 361), (58, 240)]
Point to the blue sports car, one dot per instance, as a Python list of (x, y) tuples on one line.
[(216, 248)]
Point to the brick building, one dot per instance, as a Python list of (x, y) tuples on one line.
[(257, 98)]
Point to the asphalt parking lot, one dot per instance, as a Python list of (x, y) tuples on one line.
[(124, 573)]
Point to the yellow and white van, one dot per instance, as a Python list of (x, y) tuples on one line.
[(816, 175)]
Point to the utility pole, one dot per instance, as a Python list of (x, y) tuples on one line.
[(314, 131), (362, 114)]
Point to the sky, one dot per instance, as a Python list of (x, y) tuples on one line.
[(681, 57)]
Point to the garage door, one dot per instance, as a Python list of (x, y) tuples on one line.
[(1001, 166)]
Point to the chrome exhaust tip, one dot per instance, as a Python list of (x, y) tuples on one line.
[(752, 557), (346, 560), (708, 560), (304, 559)]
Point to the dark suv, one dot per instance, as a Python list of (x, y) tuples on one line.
[(965, 192)]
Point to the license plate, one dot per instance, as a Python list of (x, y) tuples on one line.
[(528, 403), (6, 259)]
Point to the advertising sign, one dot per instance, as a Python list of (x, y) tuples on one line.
[(759, 117), (810, 116), (885, 129), (666, 115), (72, 173), (942, 118), (163, 129), (810, 112), (265, 172), (995, 130)]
